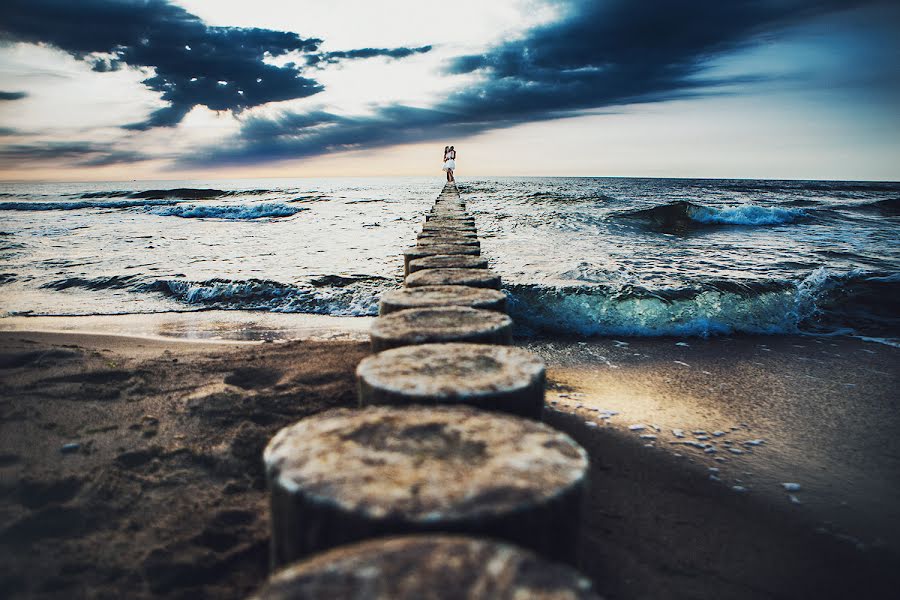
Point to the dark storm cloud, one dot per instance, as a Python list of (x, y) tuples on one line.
[(75, 153), (221, 68), (339, 55), (112, 157), (294, 135), (193, 64), (599, 54), (12, 95)]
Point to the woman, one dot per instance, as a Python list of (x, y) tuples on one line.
[(449, 162)]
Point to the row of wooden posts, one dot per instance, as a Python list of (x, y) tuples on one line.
[(444, 483)]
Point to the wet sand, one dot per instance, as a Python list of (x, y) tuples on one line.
[(662, 524), (818, 412), (163, 494), (206, 326)]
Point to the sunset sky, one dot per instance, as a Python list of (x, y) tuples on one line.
[(156, 89)]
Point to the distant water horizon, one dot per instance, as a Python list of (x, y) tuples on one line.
[(211, 181), (579, 256)]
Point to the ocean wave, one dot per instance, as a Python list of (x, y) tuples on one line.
[(255, 192), (83, 204), (171, 194), (336, 295), (112, 282), (566, 196), (180, 193), (103, 194), (313, 197), (474, 188), (888, 206), (747, 215), (236, 212), (822, 302), (682, 216), (360, 299), (119, 199)]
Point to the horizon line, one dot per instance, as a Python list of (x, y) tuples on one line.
[(438, 177)]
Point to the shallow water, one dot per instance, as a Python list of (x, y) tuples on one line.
[(580, 256)]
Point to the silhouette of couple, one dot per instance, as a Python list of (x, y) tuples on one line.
[(449, 162)]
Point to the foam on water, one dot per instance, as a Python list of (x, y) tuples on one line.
[(683, 216), (337, 296), (813, 304), (747, 215), (578, 256), (266, 210)]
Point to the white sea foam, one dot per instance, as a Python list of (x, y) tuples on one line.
[(570, 263), (231, 212), (747, 214), (602, 310)]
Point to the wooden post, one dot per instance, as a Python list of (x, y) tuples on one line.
[(447, 261), (348, 475), (442, 295), (496, 378), (432, 250), (484, 278), (436, 567), (440, 325)]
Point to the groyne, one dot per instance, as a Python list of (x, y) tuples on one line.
[(447, 441)]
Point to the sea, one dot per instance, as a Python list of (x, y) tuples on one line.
[(579, 257)]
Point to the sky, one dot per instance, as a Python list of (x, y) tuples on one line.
[(206, 89)]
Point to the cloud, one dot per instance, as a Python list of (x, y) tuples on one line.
[(295, 135), (339, 55), (221, 68), (112, 157), (12, 95), (190, 63), (596, 56), (77, 153)]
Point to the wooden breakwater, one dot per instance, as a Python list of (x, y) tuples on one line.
[(444, 483)]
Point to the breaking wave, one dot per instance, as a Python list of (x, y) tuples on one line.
[(132, 199), (821, 303), (237, 212), (326, 295), (683, 216), (889, 207)]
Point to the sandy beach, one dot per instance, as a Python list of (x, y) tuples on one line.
[(671, 520), (130, 466), (669, 230)]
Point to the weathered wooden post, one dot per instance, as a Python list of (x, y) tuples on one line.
[(436, 567), (442, 295), (349, 475), (440, 325), (496, 378)]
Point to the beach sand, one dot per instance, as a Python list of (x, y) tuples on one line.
[(163, 495), (662, 524)]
